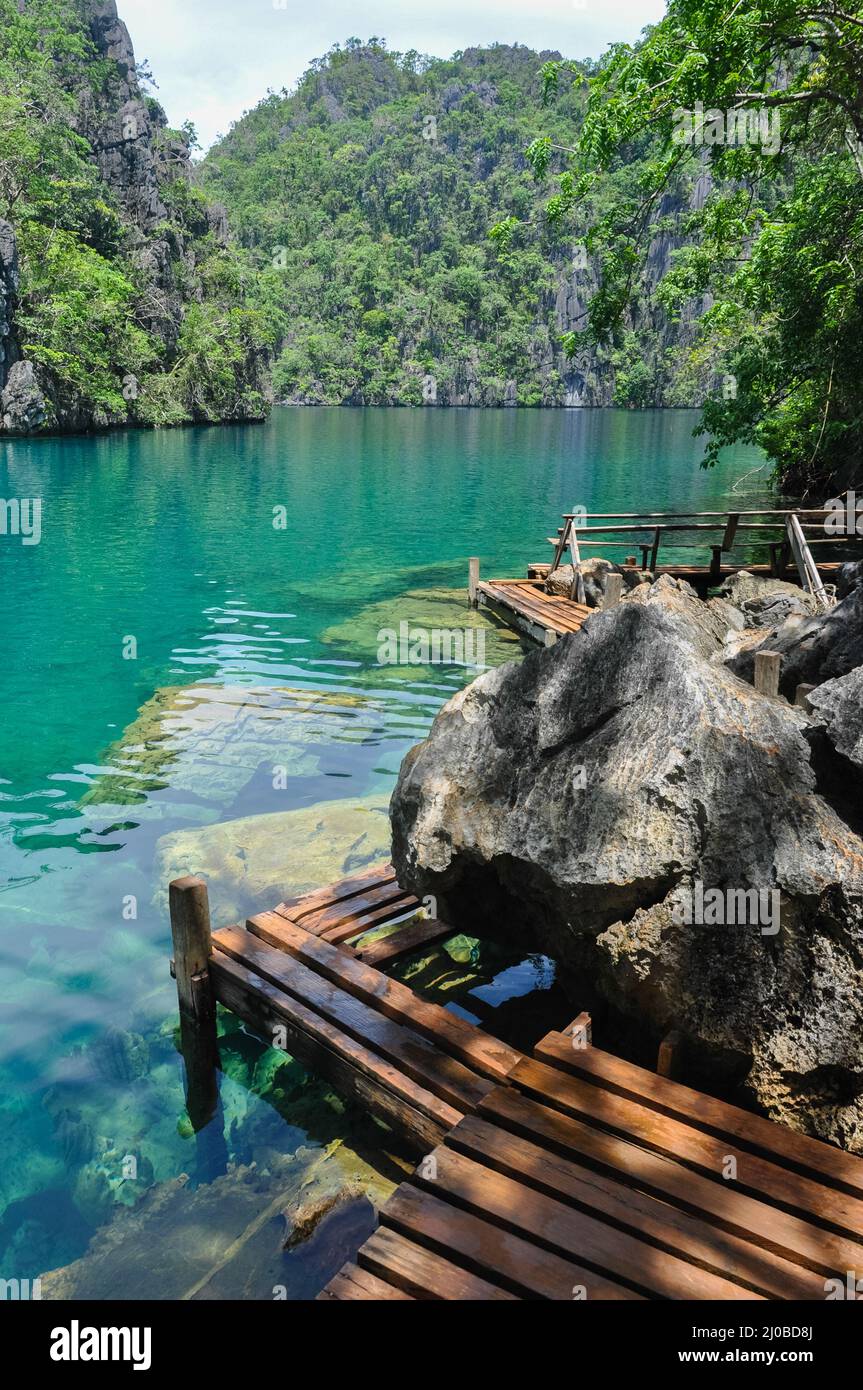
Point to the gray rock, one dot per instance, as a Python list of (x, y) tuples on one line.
[(567, 802), (814, 649), (837, 705), (22, 404), (767, 602), (595, 573)]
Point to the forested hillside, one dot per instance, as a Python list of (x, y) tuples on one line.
[(366, 199), (120, 298)]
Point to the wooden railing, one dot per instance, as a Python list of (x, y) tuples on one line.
[(789, 534)]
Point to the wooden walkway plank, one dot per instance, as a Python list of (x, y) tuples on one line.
[(411, 937), (355, 1070), (674, 1230), (575, 1234), (423, 1274), (453, 1035), (817, 1160), (507, 1259), (419, 1059), (355, 914), (351, 1282), (376, 876), (719, 1202), (694, 1147)]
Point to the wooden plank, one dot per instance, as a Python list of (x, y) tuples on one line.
[(353, 1069), (719, 1202), (666, 1227), (491, 1252), (453, 1035), (377, 876), (529, 597), (379, 904), (418, 1058), (680, 1140), (351, 1282), (423, 1274), (576, 1234), (819, 1161), (345, 930), (563, 615), (410, 937)]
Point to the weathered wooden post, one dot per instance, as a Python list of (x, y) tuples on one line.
[(550, 637), (581, 1032), (801, 696), (190, 928), (613, 590), (667, 1062), (473, 581), (767, 667)]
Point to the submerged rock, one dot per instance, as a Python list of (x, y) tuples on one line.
[(580, 798), (232, 1237), (423, 611), (253, 863)]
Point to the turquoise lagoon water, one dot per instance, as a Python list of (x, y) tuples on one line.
[(161, 585)]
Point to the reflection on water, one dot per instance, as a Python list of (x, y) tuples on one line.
[(187, 687)]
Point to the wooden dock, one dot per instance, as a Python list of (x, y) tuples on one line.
[(570, 1174), (787, 536), (524, 604)]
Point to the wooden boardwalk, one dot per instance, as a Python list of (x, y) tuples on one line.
[(524, 604), (564, 1175)]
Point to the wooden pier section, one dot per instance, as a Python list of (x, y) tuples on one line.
[(787, 537), (566, 1175)]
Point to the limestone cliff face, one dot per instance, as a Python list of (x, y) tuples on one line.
[(165, 237), (8, 294)]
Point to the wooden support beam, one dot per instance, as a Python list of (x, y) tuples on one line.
[(580, 1031), (473, 581), (657, 537), (613, 590), (716, 562), (731, 531), (190, 928), (550, 637), (801, 697), (668, 1059), (767, 668)]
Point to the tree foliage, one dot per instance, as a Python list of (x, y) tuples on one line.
[(777, 244)]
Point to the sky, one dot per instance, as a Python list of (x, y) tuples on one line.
[(215, 59)]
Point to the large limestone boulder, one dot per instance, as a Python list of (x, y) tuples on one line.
[(578, 800), (253, 863)]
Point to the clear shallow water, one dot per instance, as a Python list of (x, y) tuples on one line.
[(168, 539)]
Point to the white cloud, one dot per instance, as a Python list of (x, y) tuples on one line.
[(215, 59)]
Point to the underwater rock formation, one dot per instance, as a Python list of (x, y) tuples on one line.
[(251, 864)]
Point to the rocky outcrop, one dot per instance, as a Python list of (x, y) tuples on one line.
[(767, 602), (166, 234), (813, 649), (594, 574), (8, 295), (22, 404), (585, 798)]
